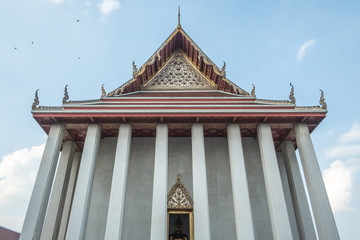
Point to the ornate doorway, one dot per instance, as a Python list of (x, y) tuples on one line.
[(180, 213)]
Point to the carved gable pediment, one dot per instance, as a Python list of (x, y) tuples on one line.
[(179, 74), (179, 197)]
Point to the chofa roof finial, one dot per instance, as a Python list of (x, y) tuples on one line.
[(66, 95), (292, 95), (36, 101), (179, 25), (253, 91), (103, 92), (322, 101), (135, 70), (223, 71)]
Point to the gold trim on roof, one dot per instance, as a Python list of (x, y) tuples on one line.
[(103, 92), (253, 91)]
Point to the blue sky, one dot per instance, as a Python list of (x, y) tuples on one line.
[(312, 44)]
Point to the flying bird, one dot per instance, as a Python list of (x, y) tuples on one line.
[(78, 57), (32, 42), (78, 20), (15, 48)]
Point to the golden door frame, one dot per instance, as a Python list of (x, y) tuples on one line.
[(182, 211), (179, 201)]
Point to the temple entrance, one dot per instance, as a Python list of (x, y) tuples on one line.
[(180, 213)]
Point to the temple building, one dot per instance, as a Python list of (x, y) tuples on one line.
[(179, 152)]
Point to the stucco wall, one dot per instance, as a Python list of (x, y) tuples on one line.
[(258, 198), (137, 215), (221, 207), (99, 201)]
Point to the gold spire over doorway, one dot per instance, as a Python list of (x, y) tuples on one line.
[(179, 25)]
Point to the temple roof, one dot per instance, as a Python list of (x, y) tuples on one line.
[(178, 47), (179, 85)]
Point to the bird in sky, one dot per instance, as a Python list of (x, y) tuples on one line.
[(78, 20), (32, 42), (15, 48), (78, 57)]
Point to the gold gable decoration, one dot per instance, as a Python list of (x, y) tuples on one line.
[(179, 74), (179, 197)]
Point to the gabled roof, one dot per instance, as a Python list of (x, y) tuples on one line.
[(178, 41)]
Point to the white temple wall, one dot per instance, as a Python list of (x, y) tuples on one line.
[(257, 191), (137, 215), (180, 162), (99, 202), (221, 206), (139, 189)]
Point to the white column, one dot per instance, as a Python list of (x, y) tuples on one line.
[(200, 200), (58, 194), (277, 206), (287, 195), (115, 215), (324, 219), (80, 206), (40, 196), (242, 207), (301, 207), (69, 196), (159, 201)]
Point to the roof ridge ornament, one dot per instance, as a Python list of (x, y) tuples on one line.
[(322, 101), (292, 96), (223, 71), (135, 70), (36, 101), (66, 95), (253, 91), (103, 92), (179, 25)]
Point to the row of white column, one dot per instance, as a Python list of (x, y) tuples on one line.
[(67, 210)]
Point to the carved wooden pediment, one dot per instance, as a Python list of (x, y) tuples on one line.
[(179, 74), (179, 197)]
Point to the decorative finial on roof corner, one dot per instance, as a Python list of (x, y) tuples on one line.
[(66, 95), (253, 91), (292, 96), (178, 177), (103, 92), (179, 25), (135, 70), (322, 101), (223, 71), (36, 101)]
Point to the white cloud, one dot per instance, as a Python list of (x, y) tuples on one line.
[(107, 6), (344, 150), (56, 1), (303, 50), (87, 3), (338, 181), (18, 171), (352, 135)]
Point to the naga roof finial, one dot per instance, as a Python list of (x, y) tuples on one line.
[(223, 71), (253, 91), (292, 96), (103, 93), (322, 101), (66, 95), (135, 70), (36, 101), (179, 25)]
